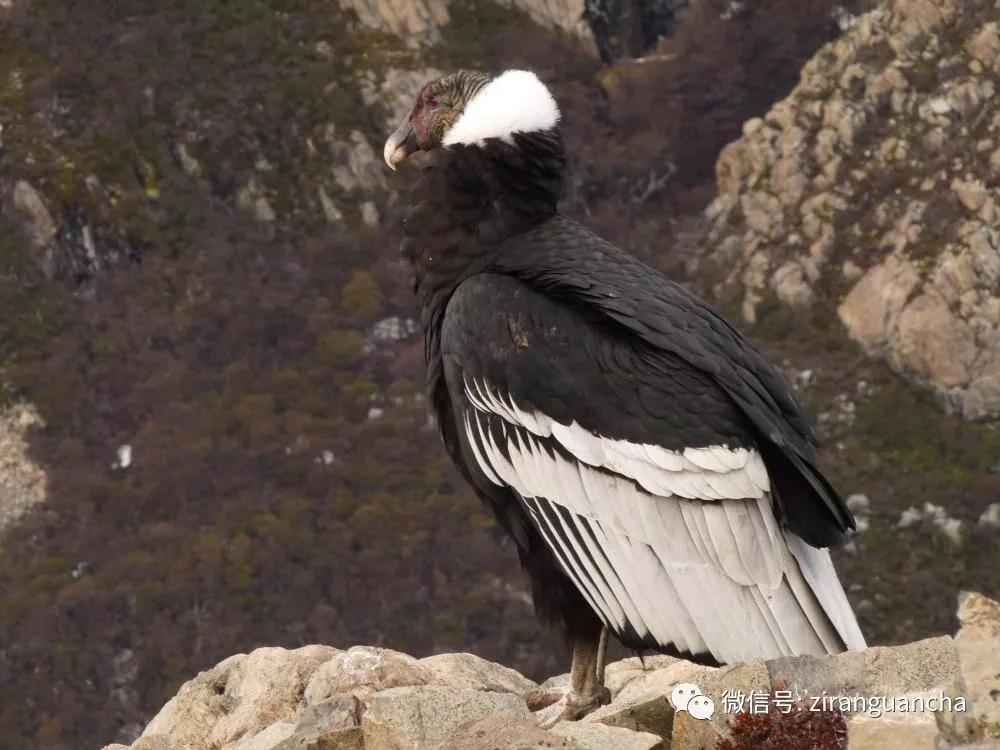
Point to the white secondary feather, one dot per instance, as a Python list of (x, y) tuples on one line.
[(679, 546), (817, 569), (714, 472), (513, 102)]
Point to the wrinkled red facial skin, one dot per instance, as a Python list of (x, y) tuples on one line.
[(425, 104)]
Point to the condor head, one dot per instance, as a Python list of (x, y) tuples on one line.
[(470, 108), (438, 106)]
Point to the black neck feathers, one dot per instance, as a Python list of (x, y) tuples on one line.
[(472, 198), (469, 200), (505, 188)]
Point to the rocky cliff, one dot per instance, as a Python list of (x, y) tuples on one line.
[(874, 188), (608, 28), (938, 693), (22, 481)]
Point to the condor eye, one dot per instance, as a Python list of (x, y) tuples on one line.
[(432, 102)]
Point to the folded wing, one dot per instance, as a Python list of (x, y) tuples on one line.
[(670, 548), (642, 476)]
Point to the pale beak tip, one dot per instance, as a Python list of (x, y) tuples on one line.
[(389, 150)]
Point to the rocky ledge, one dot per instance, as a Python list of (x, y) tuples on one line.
[(939, 693)]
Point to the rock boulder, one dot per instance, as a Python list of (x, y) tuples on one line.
[(930, 694)]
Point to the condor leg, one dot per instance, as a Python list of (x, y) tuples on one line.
[(586, 682)]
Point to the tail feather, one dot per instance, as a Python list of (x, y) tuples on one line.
[(809, 504), (817, 569)]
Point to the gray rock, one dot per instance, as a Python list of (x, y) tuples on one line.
[(159, 742), (330, 211), (748, 677), (190, 716), (980, 678), (651, 713), (410, 19), (843, 673), (28, 201), (972, 193), (269, 738), (565, 15), (23, 483), (892, 732), (251, 199), (356, 164), (240, 696), (985, 45), (620, 673), (990, 518), (188, 163), (859, 503), (978, 643), (318, 698), (927, 665), (470, 672), (393, 328), (41, 226), (364, 669), (791, 285), (556, 682), (504, 733), (589, 736), (369, 214), (871, 310), (641, 703), (978, 615), (422, 717), (331, 725)]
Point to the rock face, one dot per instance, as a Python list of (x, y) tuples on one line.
[(23, 484), (41, 226), (875, 188), (419, 20), (609, 28), (612, 29), (940, 692), (567, 15)]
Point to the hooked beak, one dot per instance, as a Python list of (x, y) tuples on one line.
[(400, 145)]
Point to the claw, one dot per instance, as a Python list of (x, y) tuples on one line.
[(543, 698), (586, 690), (572, 706)]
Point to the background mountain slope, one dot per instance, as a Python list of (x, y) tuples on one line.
[(203, 303)]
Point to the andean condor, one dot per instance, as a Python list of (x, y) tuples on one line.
[(654, 470)]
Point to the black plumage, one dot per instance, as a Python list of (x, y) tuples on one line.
[(589, 400)]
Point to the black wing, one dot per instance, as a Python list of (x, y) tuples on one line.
[(565, 260), (641, 473)]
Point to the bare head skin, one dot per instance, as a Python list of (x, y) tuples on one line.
[(469, 108), (438, 106)]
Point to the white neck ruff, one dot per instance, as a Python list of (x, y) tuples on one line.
[(513, 102)]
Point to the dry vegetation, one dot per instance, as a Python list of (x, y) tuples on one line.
[(232, 355)]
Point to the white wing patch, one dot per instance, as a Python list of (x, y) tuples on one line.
[(709, 473), (513, 102), (681, 547)]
